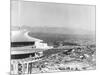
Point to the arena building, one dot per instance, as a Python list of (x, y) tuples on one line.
[(25, 50)]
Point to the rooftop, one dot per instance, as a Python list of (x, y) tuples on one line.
[(21, 36)]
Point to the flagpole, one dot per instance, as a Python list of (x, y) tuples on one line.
[(19, 13)]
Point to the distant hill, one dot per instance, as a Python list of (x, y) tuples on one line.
[(50, 34), (58, 30)]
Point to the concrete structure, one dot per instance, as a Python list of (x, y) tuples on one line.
[(22, 36), (24, 51)]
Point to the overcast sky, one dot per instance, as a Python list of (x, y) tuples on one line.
[(38, 14)]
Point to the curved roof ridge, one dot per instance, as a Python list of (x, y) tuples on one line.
[(22, 35)]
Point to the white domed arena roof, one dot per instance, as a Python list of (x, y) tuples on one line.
[(22, 36)]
